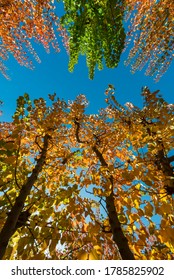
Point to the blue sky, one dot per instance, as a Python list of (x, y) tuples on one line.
[(52, 75)]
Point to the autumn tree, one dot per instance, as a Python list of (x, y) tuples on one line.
[(129, 157), (100, 185), (150, 169), (24, 183), (39, 189), (151, 32), (21, 21)]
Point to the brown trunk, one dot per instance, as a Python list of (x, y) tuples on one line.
[(10, 225), (118, 235), (163, 163)]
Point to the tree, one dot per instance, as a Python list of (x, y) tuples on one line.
[(100, 185), (24, 20), (151, 31), (131, 166), (96, 30), (40, 203)]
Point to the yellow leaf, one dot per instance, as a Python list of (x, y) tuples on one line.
[(136, 203), (166, 208), (134, 218), (140, 212), (122, 219), (138, 186), (148, 209)]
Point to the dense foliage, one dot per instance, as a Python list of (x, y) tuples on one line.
[(79, 186), (151, 32), (96, 30), (24, 20)]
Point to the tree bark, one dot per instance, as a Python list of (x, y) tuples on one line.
[(9, 227), (163, 163), (118, 235)]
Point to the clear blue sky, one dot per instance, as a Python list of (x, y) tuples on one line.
[(52, 76)]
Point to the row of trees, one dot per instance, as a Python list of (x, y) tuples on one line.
[(92, 28), (79, 186)]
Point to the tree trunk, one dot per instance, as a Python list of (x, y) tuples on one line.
[(9, 227), (118, 235)]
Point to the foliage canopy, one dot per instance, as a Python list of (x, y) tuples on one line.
[(151, 31), (99, 185), (96, 30), (24, 20)]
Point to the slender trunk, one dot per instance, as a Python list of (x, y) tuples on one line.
[(163, 163), (118, 235), (9, 227)]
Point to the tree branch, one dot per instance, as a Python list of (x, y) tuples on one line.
[(76, 121), (17, 156)]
